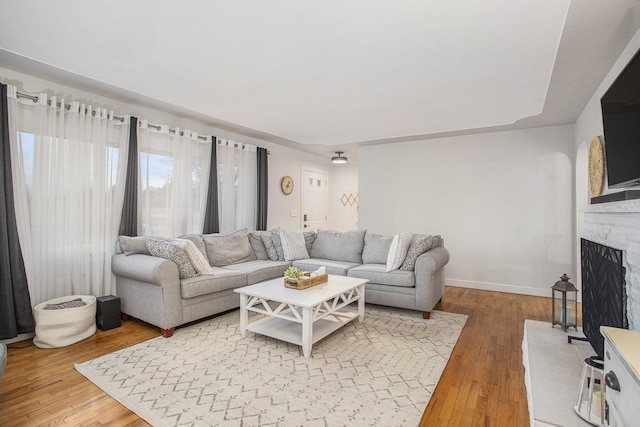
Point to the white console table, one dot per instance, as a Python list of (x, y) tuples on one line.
[(622, 376)]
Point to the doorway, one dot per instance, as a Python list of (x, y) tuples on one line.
[(315, 191)]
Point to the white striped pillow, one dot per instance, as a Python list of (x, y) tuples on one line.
[(293, 245), (199, 262), (398, 250)]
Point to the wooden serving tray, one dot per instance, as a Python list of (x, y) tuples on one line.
[(305, 283)]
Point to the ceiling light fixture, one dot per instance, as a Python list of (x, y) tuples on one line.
[(339, 159)]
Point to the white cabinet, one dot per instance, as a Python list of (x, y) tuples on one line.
[(622, 376)]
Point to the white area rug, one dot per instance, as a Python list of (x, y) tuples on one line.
[(378, 372), (552, 373)]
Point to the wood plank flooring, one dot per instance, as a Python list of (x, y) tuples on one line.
[(483, 383)]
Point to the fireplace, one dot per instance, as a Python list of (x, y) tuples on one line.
[(604, 297)]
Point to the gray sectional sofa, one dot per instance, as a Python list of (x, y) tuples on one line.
[(151, 289)]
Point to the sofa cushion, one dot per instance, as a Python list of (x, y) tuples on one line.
[(260, 270), (398, 250), (255, 240), (339, 246), (221, 280), (293, 245), (417, 248), (170, 250), (333, 267), (376, 248), (277, 243), (227, 249), (376, 273)]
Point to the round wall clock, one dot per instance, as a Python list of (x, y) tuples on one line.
[(596, 166), (286, 185)]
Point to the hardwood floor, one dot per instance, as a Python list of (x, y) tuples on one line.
[(483, 383)]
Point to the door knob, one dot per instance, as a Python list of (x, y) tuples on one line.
[(612, 381)]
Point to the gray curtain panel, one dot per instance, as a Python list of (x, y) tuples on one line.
[(263, 188), (211, 217), (16, 316), (129, 219)]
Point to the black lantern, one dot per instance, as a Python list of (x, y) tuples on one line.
[(564, 304)]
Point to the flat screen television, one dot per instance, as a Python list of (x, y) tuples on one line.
[(621, 121)]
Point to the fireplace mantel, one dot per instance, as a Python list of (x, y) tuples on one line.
[(624, 206)]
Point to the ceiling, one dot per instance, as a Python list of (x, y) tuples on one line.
[(329, 75)]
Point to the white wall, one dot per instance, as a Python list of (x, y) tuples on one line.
[(503, 203), (344, 181), (282, 160)]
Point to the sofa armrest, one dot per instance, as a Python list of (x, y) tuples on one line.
[(149, 288), (144, 268), (430, 278)]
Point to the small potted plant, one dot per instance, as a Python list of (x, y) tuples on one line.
[(293, 273)]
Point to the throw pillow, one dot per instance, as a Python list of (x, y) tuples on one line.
[(309, 238), (228, 249), (398, 250), (133, 245), (172, 251), (293, 245), (255, 240), (418, 247), (197, 240), (199, 262), (277, 242), (267, 239)]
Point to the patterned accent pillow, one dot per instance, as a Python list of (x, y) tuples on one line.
[(267, 239), (418, 247), (172, 251), (277, 242), (398, 250), (293, 245)]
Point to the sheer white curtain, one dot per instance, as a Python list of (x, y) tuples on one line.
[(68, 174), (174, 173), (237, 185)]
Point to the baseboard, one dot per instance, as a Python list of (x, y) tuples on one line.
[(500, 287), (19, 338)]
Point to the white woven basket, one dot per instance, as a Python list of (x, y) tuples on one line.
[(63, 327)]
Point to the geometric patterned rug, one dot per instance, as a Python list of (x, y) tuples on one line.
[(378, 372)]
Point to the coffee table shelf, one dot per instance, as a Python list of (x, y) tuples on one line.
[(291, 332)]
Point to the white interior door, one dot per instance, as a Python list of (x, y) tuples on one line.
[(315, 195)]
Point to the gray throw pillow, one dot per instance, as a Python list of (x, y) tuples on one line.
[(172, 251), (376, 248), (255, 240), (133, 245), (228, 249), (339, 245), (309, 238), (417, 248)]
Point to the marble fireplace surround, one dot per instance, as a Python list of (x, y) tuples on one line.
[(617, 224)]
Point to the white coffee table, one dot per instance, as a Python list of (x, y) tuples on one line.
[(301, 317)]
